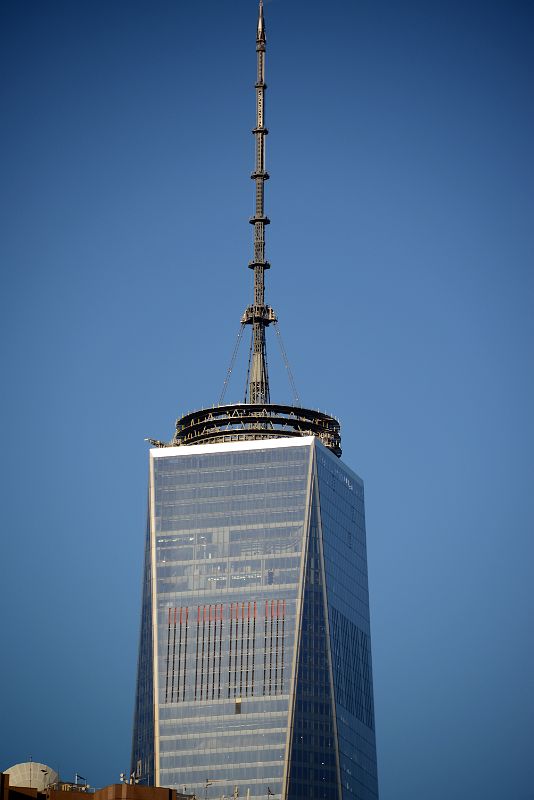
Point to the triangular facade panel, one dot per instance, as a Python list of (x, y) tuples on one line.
[(343, 538), (143, 732), (313, 773)]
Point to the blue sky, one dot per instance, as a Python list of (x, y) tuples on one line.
[(401, 199)]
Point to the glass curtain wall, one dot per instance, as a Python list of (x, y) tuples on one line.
[(342, 515), (143, 731), (228, 532), (256, 580), (313, 769)]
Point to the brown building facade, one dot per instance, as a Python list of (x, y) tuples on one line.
[(116, 791)]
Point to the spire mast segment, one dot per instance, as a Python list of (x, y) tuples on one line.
[(259, 315)]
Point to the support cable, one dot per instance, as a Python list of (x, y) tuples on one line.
[(248, 367), (268, 398), (270, 425), (232, 363), (296, 397)]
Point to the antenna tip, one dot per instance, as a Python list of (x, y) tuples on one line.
[(261, 24)]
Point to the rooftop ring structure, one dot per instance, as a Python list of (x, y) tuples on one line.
[(250, 421)]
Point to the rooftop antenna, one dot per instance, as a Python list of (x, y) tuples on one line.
[(259, 315), (256, 417)]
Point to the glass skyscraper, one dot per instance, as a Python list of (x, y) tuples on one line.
[(255, 659), (254, 672)]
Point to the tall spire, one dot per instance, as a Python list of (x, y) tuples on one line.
[(259, 315), (257, 418)]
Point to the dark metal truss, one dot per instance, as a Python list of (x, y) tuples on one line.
[(248, 421)]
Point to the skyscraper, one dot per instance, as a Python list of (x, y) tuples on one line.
[(255, 661)]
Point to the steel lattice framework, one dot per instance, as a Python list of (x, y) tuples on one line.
[(233, 423)]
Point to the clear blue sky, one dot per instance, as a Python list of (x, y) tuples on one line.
[(401, 199)]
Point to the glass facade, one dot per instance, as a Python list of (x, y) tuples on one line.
[(342, 519), (143, 733), (254, 667)]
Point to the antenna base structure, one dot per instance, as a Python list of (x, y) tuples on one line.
[(252, 421), (262, 314)]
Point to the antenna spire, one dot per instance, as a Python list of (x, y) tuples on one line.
[(256, 418), (259, 315)]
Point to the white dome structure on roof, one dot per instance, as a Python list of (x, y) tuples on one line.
[(32, 774)]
